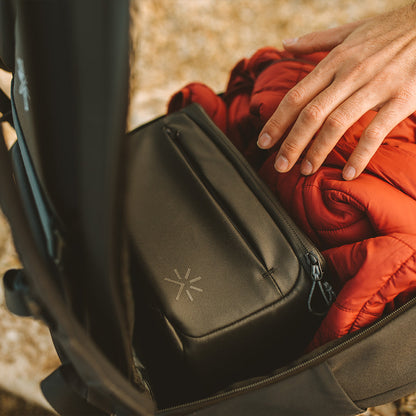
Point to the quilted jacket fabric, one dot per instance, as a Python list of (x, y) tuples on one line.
[(366, 228)]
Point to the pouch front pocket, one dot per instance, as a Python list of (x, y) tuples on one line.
[(227, 293)]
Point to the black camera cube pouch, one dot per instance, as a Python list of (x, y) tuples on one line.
[(226, 286)]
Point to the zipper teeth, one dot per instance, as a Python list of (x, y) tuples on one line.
[(305, 247), (210, 125), (173, 135), (306, 364)]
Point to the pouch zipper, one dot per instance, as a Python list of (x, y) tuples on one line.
[(316, 359), (325, 289), (305, 245), (174, 135), (309, 256)]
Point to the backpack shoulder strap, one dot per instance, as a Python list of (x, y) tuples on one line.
[(64, 392), (16, 292), (5, 108)]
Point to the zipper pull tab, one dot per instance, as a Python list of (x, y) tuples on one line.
[(326, 290), (172, 133)]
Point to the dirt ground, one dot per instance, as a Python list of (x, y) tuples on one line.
[(177, 41)]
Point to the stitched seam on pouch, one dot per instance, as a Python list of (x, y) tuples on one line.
[(237, 322), (269, 274)]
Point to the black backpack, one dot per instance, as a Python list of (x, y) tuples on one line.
[(61, 187)]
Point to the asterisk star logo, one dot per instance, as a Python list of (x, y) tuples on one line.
[(23, 87), (185, 284)]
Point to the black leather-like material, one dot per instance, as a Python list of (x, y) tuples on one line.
[(384, 360), (15, 292), (7, 20), (23, 187), (59, 389), (228, 291), (70, 96)]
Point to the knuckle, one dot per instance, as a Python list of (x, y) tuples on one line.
[(290, 148), (338, 54), (316, 154), (392, 113), (404, 96), (353, 73), (336, 121), (295, 96), (312, 113), (383, 80), (362, 155), (359, 69), (320, 148), (272, 125), (320, 71), (372, 136), (359, 160)]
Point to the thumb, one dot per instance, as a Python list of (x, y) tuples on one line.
[(324, 40)]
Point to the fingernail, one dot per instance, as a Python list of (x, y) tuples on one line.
[(265, 140), (281, 164), (349, 173), (289, 42), (306, 168)]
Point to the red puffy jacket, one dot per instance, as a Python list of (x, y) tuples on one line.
[(366, 228)]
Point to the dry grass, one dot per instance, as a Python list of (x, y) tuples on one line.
[(175, 42), (183, 41)]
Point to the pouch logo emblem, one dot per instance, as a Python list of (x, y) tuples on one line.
[(185, 284), (23, 87)]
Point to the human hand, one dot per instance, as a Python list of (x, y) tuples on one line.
[(371, 66), (5, 81)]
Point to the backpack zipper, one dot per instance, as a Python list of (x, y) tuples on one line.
[(314, 360)]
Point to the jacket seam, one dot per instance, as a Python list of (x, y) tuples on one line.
[(392, 276)]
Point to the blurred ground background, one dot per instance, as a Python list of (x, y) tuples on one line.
[(176, 42)]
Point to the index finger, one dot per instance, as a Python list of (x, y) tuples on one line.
[(292, 104), (5, 81)]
